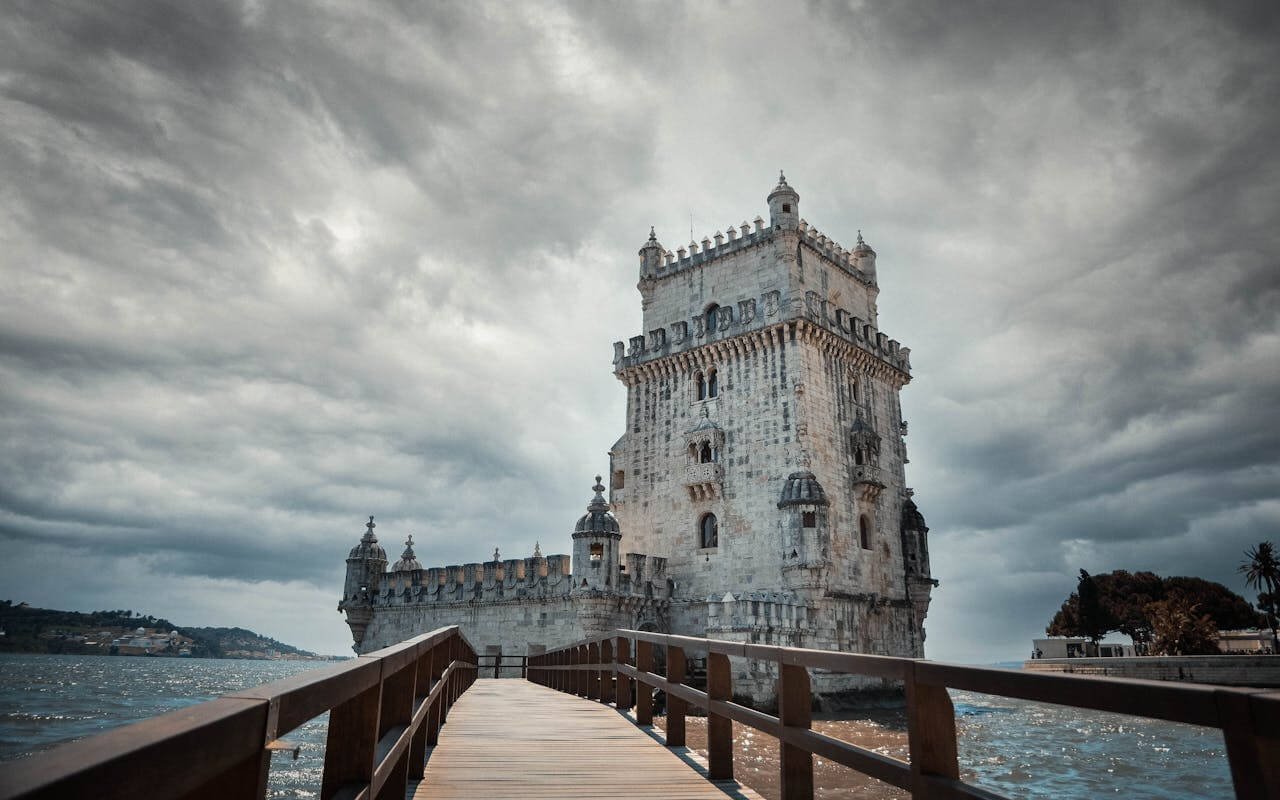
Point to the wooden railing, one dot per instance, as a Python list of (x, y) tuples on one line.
[(385, 709), (492, 664), (603, 668)]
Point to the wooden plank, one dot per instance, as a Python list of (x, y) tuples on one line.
[(509, 738), (209, 739), (644, 694), (349, 748), (675, 706), (795, 711), (622, 655), (931, 731), (719, 727)]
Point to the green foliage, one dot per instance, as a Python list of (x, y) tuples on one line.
[(1261, 570), (1125, 599), (1180, 629), (1094, 616)]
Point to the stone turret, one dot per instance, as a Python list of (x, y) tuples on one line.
[(784, 206), (652, 255), (408, 561), (864, 258), (365, 564), (596, 546)]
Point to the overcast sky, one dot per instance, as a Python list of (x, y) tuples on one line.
[(271, 267)]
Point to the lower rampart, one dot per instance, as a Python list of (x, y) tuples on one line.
[(1262, 671)]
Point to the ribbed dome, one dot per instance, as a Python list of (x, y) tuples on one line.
[(912, 519), (369, 548), (408, 561), (783, 188), (597, 519), (802, 488)]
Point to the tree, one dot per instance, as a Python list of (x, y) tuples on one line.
[(1125, 598), (1180, 629), (1262, 571), (1095, 618)]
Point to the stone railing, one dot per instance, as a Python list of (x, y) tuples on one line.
[(866, 473), (703, 473)]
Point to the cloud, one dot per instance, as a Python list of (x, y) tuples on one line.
[(270, 268)]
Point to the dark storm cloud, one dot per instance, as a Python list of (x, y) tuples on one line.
[(272, 267)]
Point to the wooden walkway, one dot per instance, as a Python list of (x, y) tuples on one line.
[(513, 738)]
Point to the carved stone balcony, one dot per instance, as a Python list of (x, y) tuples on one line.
[(866, 481), (704, 480)]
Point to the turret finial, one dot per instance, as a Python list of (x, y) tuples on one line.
[(598, 503), (368, 533), (860, 242), (653, 237), (537, 550), (496, 556), (781, 177)]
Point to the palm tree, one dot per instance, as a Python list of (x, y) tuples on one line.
[(1262, 572)]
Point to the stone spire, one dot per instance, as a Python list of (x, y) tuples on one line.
[(598, 503), (368, 537), (651, 255), (408, 561)]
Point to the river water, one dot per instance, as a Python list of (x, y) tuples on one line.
[(1016, 748)]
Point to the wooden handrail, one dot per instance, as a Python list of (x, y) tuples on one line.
[(385, 708), (1249, 719)]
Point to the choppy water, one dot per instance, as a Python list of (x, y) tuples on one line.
[(1013, 747)]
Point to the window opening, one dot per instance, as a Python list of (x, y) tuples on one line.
[(619, 479), (712, 385), (704, 456), (864, 532), (702, 386), (709, 533), (597, 552), (810, 519), (711, 317)]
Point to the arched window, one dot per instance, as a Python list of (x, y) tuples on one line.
[(704, 455), (864, 532), (712, 386), (700, 382), (708, 531), (711, 315), (858, 457)]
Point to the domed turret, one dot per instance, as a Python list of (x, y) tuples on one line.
[(784, 206), (596, 540), (368, 548), (408, 561), (864, 258), (802, 489), (652, 256)]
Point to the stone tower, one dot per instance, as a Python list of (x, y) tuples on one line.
[(365, 565), (764, 447)]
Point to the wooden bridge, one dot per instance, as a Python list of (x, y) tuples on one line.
[(414, 721)]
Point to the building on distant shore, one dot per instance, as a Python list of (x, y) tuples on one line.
[(759, 482)]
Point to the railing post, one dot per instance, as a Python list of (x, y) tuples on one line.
[(931, 732), (622, 655), (605, 675), (396, 712), (644, 692), (584, 676), (795, 710), (719, 728), (352, 738), (439, 660), (1253, 757), (593, 675), (675, 705), (497, 664), (422, 687), (579, 679)]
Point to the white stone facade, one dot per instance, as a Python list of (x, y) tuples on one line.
[(761, 392)]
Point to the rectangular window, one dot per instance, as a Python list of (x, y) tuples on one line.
[(810, 519)]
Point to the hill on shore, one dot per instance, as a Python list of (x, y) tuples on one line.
[(27, 629)]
